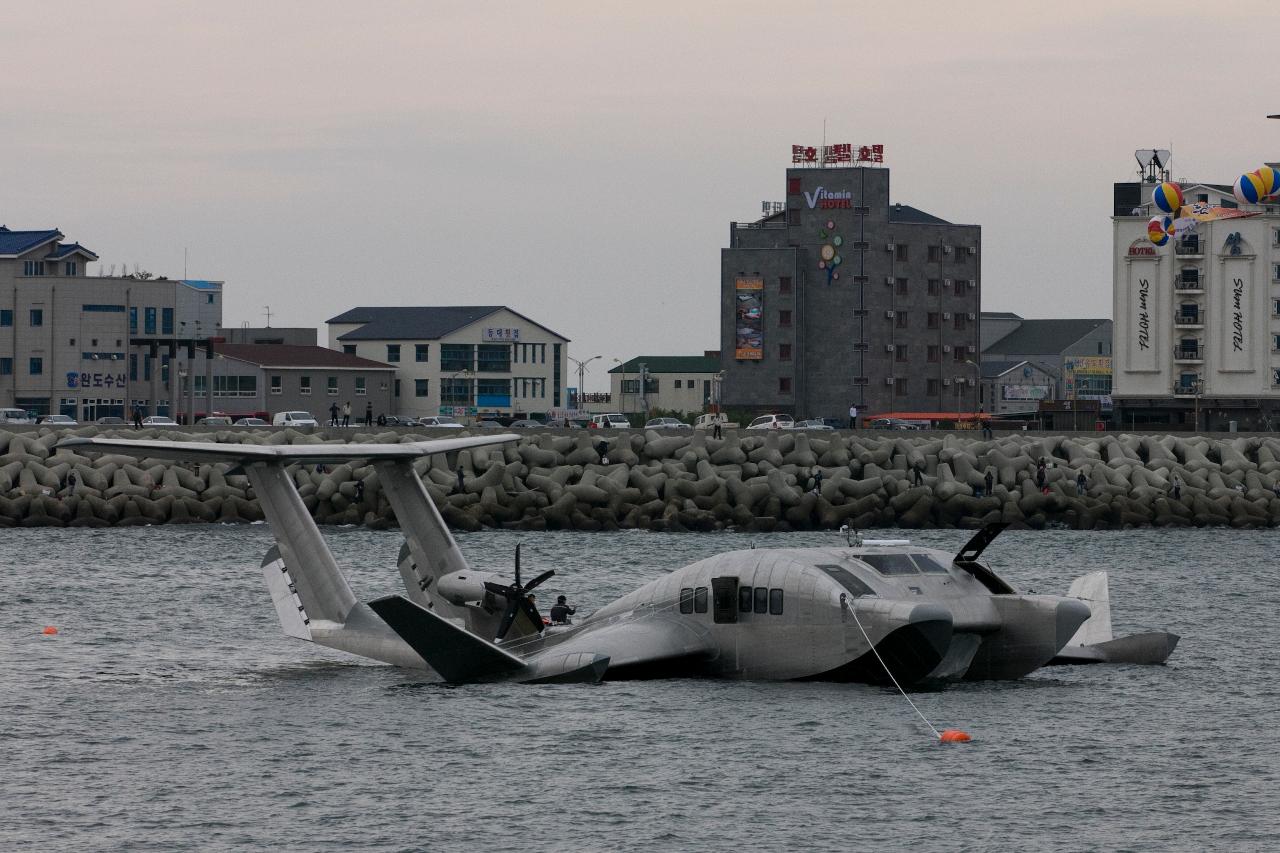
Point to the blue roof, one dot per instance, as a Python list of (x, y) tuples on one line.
[(415, 323), (18, 242), (201, 284), (63, 250)]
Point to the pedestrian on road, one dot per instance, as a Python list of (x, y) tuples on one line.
[(853, 417), (137, 417), (333, 414), (346, 414)]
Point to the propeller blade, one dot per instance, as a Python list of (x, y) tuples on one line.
[(499, 589), (539, 579), (513, 604), (517, 564), (531, 610)]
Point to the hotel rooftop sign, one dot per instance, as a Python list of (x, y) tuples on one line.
[(842, 154)]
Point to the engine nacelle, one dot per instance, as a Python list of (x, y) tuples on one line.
[(465, 586)]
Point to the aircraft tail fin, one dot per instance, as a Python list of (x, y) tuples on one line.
[(457, 654), (1092, 589)]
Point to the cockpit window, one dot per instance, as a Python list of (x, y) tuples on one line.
[(846, 579), (889, 564), (929, 565), (686, 600)]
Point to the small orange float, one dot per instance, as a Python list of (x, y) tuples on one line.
[(954, 736), (49, 630)]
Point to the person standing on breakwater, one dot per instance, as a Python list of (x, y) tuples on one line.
[(1177, 487), (137, 417), (368, 414), (990, 480), (346, 414), (603, 449), (1081, 483), (917, 474), (715, 428), (1040, 475), (461, 484), (853, 417)]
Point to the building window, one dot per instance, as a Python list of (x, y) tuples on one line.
[(793, 188), (393, 353), (931, 387), (36, 366), (700, 600), (686, 600), (349, 349), (331, 386), (397, 389), (784, 384), (933, 287), (784, 318), (33, 267), (744, 599), (133, 320), (900, 320), (935, 253), (900, 252), (304, 386), (209, 299), (37, 316), (456, 357), (784, 284), (900, 352), (420, 351), (277, 386), (1275, 342), (6, 367), (775, 602), (675, 383), (960, 321), (900, 286), (1275, 307), (133, 367), (760, 604), (103, 309), (455, 392), (900, 386), (421, 387), (6, 317), (166, 321), (933, 352), (784, 352), (961, 352), (493, 358), (360, 389), (931, 320), (148, 321)]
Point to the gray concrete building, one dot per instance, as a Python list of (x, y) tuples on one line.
[(94, 346), (673, 383), (844, 298), (1071, 360), (298, 336)]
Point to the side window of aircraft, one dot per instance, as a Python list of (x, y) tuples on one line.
[(744, 599), (762, 599), (775, 602), (890, 564), (700, 600), (686, 600), (929, 565)]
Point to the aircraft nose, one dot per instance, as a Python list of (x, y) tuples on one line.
[(1070, 614)]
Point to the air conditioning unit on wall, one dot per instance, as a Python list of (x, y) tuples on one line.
[(946, 282), (889, 247), (946, 315), (946, 348), (973, 250), (946, 250), (889, 348), (888, 380), (972, 316), (889, 315), (888, 279), (946, 382)]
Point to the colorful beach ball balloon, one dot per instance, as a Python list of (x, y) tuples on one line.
[(1158, 229), (1167, 197), (1249, 189), (1270, 181)]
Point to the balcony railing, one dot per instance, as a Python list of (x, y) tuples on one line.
[(1188, 389), (1188, 283), (1188, 247), (1186, 353), (1183, 318)]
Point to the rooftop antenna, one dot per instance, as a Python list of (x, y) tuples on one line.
[(268, 313)]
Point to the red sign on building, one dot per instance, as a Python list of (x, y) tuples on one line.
[(834, 155)]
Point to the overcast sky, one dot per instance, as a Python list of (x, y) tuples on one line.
[(581, 162)]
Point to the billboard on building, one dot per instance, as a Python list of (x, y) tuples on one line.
[(1087, 377), (1024, 392), (749, 319)]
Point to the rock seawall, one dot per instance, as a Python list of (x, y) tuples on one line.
[(777, 480)]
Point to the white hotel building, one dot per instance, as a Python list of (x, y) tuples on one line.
[(1197, 321), (465, 361)]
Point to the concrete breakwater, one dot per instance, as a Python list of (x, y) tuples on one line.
[(775, 480)]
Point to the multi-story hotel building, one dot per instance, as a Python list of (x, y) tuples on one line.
[(1197, 321), (840, 297), (95, 346)]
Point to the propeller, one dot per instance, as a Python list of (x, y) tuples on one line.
[(517, 596)]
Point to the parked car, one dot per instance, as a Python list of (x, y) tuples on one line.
[(440, 422), (782, 421), (294, 419), (110, 420), (250, 422), (488, 424), (666, 423), (708, 421), (890, 423), (834, 423), (215, 420), (60, 421), (613, 420), (526, 423), (812, 423), (159, 421), (14, 416)]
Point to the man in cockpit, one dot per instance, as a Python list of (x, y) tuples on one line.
[(561, 611)]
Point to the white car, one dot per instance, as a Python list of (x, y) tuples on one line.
[(613, 420), (812, 423), (216, 420), (251, 422), (294, 419), (14, 416), (159, 421), (441, 422), (666, 423), (772, 422), (60, 420)]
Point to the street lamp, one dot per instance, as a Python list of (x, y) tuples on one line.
[(582, 368), (622, 386), (466, 373)]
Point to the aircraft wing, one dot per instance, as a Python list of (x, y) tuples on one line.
[(644, 645), (284, 454)]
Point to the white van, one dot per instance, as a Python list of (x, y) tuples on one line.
[(294, 419), (613, 420), (14, 416)]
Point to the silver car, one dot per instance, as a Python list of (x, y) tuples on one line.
[(666, 423)]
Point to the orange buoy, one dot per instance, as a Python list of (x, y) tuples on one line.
[(49, 630), (954, 736)]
